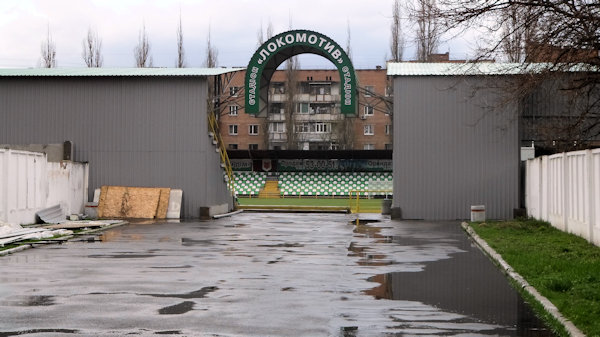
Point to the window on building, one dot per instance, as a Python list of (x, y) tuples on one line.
[(252, 146), (303, 108), (233, 110), (276, 108), (278, 87), (388, 129), (320, 88), (277, 127), (303, 127), (369, 110), (253, 129), (369, 130), (322, 108), (369, 90), (388, 146), (389, 91), (233, 146), (233, 129), (335, 146), (234, 91), (321, 127), (369, 147)]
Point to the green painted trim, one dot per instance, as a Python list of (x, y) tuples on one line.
[(292, 43)]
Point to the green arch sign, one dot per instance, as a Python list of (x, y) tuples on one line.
[(281, 47)]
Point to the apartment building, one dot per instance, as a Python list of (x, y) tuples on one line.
[(305, 114)]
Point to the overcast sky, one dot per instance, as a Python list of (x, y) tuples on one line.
[(234, 26)]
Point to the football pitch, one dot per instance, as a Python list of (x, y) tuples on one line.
[(365, 205)]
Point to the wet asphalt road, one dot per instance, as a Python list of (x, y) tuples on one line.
[(263, 274)]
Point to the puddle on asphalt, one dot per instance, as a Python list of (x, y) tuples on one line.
[(29, 301), (173, 267), (177, 309), (168, 332), (283, 245), (122, 256), (447, 285), (201, 293), (237, 225), (192, 242), (36, 331)]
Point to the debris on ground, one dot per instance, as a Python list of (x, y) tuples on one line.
[(11, 233), (52, 214), (83, 224)]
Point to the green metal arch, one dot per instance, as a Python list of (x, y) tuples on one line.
[(281, 47)]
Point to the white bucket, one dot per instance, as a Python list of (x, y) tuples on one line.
[(477, 213)]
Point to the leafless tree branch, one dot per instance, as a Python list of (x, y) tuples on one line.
[(141, 52), (48, 51), (92, 50)]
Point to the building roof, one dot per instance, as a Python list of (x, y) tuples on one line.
[(479, 68), (452, 69), (113, 72)]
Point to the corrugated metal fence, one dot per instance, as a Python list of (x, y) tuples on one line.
[(28, 183), (564, 189)]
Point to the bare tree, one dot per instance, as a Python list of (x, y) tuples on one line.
[(262, 37), (270, 30), (92, 50), (425, 14), (291, 102), (397, 39), (141, 52), (211, 53), (348, 40), (48, 51), (562, 38), (180, 49)]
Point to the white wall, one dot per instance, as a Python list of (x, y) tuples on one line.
[(28, 183), (67, 186), (564, 189)]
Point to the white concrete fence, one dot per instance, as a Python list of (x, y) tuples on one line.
[(29, 183), (564, 189)]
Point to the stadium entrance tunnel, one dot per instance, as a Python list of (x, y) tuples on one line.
[(283, 46)]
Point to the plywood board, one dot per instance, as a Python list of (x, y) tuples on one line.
[(133, 202), (115, 204), (140, 202), (163, 203), (102, 201)]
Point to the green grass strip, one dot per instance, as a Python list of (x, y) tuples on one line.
[(563, 267)]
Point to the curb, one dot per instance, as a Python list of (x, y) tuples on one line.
[(219, 216), (14, 250), (508, 270)]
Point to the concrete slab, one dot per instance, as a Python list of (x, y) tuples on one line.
[(264, 274)]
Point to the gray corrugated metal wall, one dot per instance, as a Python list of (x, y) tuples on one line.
[(134, 131), (451, 151)]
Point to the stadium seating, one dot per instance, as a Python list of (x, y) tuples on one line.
[(331, 183), (328, 184), (249, 183)]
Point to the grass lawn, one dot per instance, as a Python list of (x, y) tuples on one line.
[(562, 267), (366, 204)]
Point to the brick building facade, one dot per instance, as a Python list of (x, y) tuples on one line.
[(315, 122)]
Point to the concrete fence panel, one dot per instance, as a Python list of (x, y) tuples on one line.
[(28, 183), (595, 196), (578, 197), (564, 189), (23, 185)]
